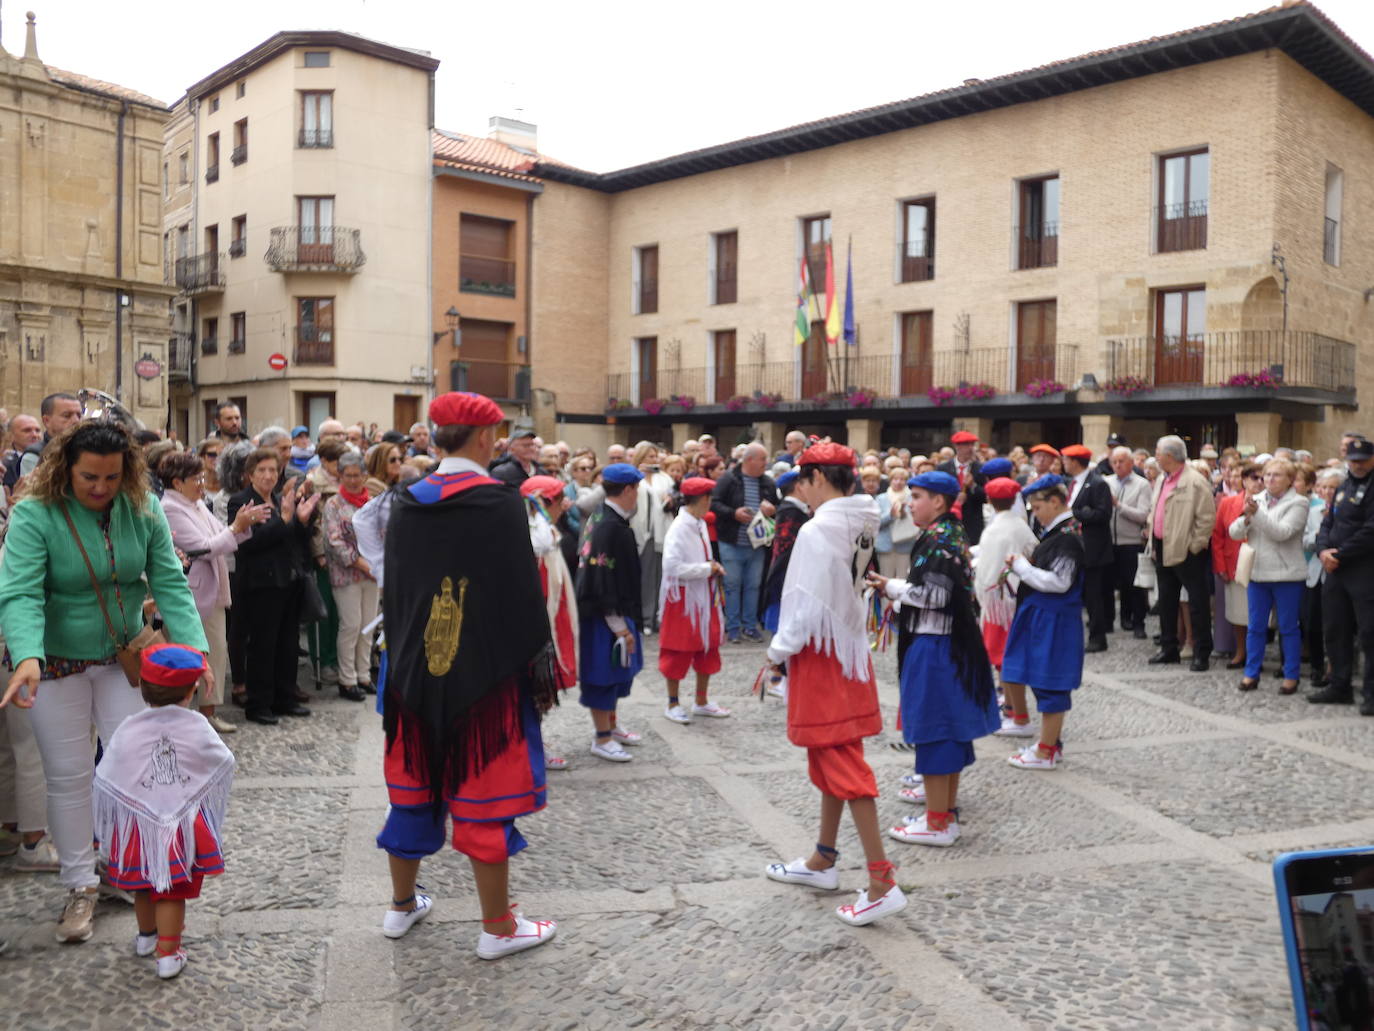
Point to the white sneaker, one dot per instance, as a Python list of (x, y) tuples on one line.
[(916, 795), (527, 934), (1010, 728), (862, 911), (145, 944), (611, 751), (912, 780), (396, 923), (169, 966), (1031, 759), (39, 859), (916, 832), (676, 714), (797, 872), (777, 687), (626, 737), (711, 709)]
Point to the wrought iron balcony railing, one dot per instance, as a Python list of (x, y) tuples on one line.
[(315, 249), (238, 155), (1181, 227), (180, 347), (1286, 359), (1037, 246), (310, 139), (237, 248), (212, 173), (479, 275), (201, 273), (209, 345)]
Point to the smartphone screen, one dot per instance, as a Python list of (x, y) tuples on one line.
[(1329, 930)]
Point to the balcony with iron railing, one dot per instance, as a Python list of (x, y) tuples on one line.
[(482, 275), (201, 273), (314, 345), (237, 248), (180, 348), (503, 381), (1037, 246), (313, 139), (212, 173), (315, 249), (1181, 227), (239, 154), (209, 345), (238, 345), (1287, 361)]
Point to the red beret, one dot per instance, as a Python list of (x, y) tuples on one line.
[(1002, 487), (546, 486), (827, 453), (696, 486), (460, 408), (171, 665), (964, 437), (1045, 448), (1078, 451)]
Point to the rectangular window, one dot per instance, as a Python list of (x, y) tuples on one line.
[(1037, 229), (485, 263), (1331, 228), (317, 58), (238, 332), (723, 344), (212, 158), (918, 353), (918, 240), (1035, 341), (646, 354), (1183, 194), (314, 331), (725, 285), (240, 152), (1180, 328), (815, 237), (238, 236), (315, 224), (646, 280), (317, 119), (486, 365), (214, 104), (209, 336), (184, 168), (316, 407), (240, 90)]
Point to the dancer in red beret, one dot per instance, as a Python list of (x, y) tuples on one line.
[(689, 609), (1007, 535), (160, 792), (832, 698)]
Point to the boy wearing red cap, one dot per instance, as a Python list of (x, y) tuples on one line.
[(470, 671), (832, 698), (689, 609), (160, 793), (968, 471), (1007, 535)]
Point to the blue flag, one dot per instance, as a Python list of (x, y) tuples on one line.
[(850, 337)]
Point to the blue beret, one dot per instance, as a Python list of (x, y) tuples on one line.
[(788, 477), (621, 472), (936, 482), (171, 665), (1044, 483), (996, 467), (299, 430)]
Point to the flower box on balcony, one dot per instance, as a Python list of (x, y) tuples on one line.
[(1262, 380), (737, 403), (861, 398), (618, 405), (1042, 388), (684, 401), (654, 405), (766, 400), (1125, 386)]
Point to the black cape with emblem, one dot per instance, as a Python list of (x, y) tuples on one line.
[(608, 567), (467, 629)]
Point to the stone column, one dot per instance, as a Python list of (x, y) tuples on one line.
[(864, 434), (1095, 430), (1259, 430), (772, 435), (683, 432), (981, 427)]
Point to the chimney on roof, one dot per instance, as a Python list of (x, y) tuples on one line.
[(513, 133), (31, 39)]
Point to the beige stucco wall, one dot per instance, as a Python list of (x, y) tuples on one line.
[(378, 172)]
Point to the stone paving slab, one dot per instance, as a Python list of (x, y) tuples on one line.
[(321, 746), (1353, 737), (1216, 694)]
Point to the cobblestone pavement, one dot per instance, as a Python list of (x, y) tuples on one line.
[(1129, 889)]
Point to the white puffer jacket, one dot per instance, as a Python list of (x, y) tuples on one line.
[(1275, 532)]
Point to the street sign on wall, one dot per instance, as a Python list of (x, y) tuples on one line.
[(276, 362)]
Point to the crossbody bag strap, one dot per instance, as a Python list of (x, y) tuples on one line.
[(90, 571)]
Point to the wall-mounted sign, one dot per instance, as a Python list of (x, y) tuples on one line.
[(147, 367), (276, 362)]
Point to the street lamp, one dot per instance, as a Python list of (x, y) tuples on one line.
[(457, 370)]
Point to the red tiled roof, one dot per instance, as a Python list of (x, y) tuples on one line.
[(479, 154), (109, 89)]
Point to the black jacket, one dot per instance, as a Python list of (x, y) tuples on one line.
[(1349, 524), (1092, 507), (974, 497), (270, 559), (728, 495), (509, 470)]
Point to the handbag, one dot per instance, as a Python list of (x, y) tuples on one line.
[(1245, 563), (903, 528), (129, 654), (760, 530), (1144, 571), (313, 608)]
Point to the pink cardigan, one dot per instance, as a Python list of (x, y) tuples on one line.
[(195, 528)]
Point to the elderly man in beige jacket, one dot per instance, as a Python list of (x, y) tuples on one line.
[(1183, 513)]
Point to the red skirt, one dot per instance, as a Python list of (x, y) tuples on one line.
[(126, 865), (995, 640), (824, 707)]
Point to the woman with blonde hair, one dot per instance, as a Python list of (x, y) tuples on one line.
[(650, 523), (383, 468)]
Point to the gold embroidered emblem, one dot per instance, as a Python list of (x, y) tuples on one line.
[(445, 626)]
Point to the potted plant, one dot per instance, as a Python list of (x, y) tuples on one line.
[(1038, 388), (976, 391), (1125, 386), (654, 405), (940, 395), (861, 397), (1262, 380), (684, 401), (618, 404), (766, 400)]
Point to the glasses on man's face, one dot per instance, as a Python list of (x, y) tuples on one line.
[(210, 454)]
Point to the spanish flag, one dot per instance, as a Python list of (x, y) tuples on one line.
[(802, 327), (832, 310)]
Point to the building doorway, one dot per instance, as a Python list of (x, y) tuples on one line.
[(405, 412)]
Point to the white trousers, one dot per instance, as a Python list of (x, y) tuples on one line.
[(23, 788), (213, 621), (357, 605), (61, 717)]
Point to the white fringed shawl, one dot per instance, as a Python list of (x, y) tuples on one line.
[(559, 590), (822, 596), (1007, 534), (161, 769), (687, 572)]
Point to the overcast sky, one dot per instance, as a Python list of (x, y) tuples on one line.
[(612, 83)]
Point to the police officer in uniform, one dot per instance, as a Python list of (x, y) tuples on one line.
[(1345, 545)]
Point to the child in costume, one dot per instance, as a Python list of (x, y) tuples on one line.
[(995, 585), (1045, 643), (792, 514), (832, 698), (160, 793), (948, 699), (608, 606), (689, 612), (544, 501)]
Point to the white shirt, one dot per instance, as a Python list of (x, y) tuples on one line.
[(1047, 581)]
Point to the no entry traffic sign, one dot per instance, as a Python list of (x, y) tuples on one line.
[(276, 362)]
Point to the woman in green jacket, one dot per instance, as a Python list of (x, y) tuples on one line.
[(60, 647)]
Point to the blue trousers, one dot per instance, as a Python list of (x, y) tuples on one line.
[(1286, 596), (743, 578)]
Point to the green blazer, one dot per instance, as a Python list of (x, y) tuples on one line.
[(47, 605)]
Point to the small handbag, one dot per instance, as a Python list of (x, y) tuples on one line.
[(129, 654), (903, 528), (760, 530), (1144, 571), (1245, 563), (313, 608)]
